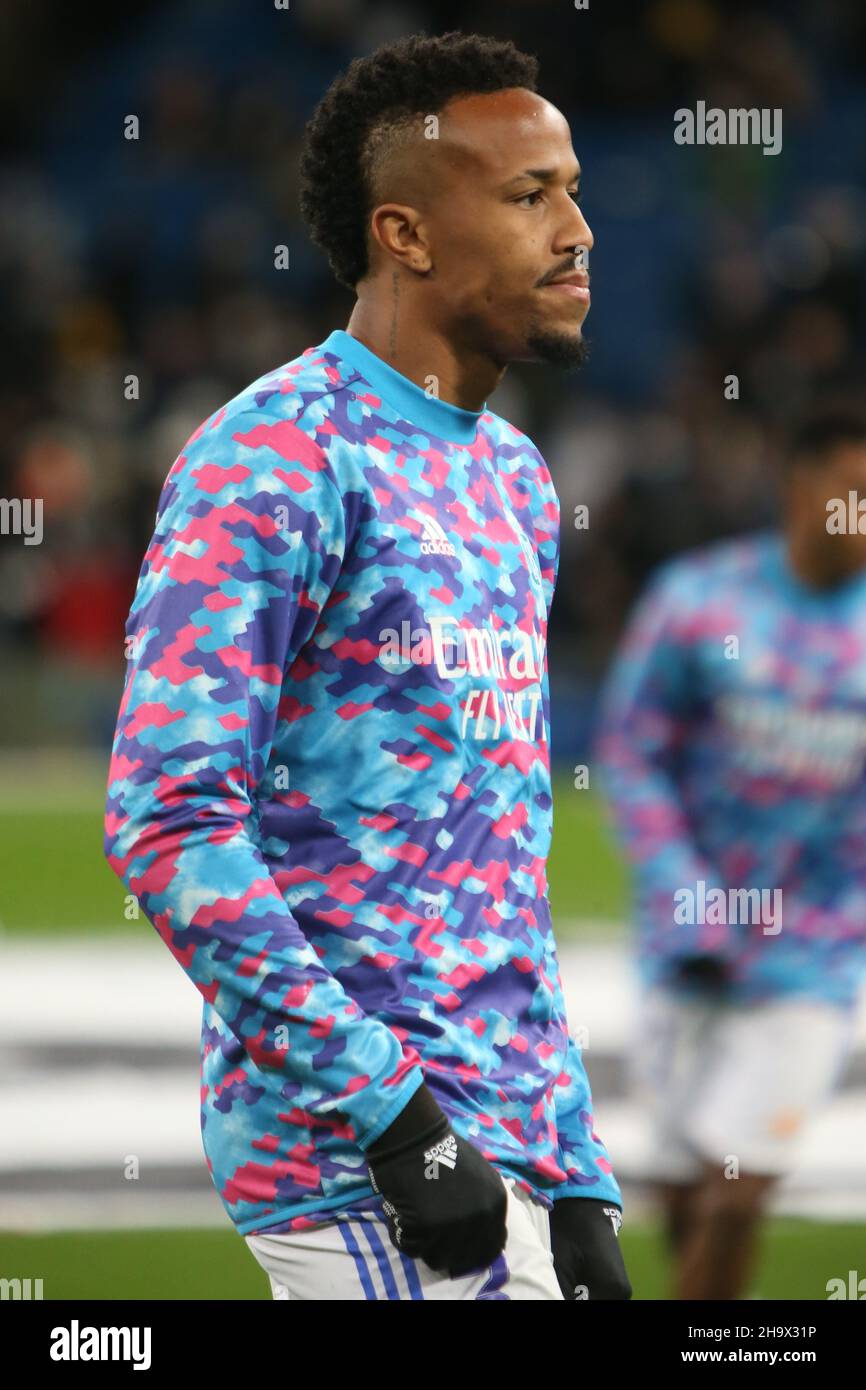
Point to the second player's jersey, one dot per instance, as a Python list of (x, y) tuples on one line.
[(733, 746), (330, 784)]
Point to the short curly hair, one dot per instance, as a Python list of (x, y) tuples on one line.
[(366, 108)]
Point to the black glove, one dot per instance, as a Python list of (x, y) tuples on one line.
[(444, 1202), (586, 1256), (708, 974)]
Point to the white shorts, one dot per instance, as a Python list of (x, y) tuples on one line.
[(354, 1259), (732, 1082)]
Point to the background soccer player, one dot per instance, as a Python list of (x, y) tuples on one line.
[(331, 776), (733, 745)]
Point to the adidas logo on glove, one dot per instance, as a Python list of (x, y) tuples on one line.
[(615, 1216), (443, 1152)]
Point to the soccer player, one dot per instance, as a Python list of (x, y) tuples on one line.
[(732, 745), (330, 784)]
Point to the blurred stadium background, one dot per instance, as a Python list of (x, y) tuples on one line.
[(154, 258)]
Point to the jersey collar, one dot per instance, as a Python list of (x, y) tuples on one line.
[(428, 413)]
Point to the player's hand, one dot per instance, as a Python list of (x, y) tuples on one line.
[(444, 1202), (587, 1259), (707, 973)]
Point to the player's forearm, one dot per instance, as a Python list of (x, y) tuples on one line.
[(204, 885), (654, 831), (583, 1156), (649, 817)]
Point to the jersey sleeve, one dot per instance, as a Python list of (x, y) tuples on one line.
[(251, 531), (645, 709), (545, 523), (547, 532), (583, 1156)]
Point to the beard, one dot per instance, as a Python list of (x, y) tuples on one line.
[(559, 349)]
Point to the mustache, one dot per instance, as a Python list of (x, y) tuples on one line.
[(579, 261)]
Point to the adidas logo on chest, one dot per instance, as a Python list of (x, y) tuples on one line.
[(434, 540)]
